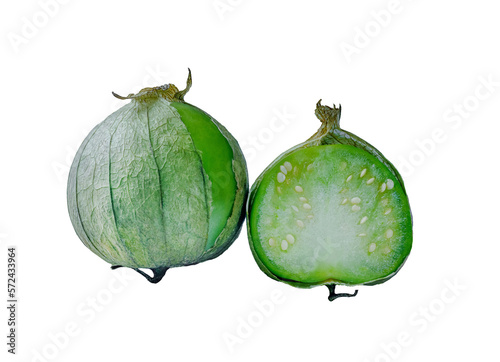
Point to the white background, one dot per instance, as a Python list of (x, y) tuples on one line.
[(409, 76)]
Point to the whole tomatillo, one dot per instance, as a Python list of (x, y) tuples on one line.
[(158, 184)]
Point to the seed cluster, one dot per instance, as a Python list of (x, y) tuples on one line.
[(285, 170), (355, 205)]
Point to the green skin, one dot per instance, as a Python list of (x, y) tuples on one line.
[(158, 184), (330, 211)]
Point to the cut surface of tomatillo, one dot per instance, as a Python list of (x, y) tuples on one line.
[(331, 210), (331, 214)]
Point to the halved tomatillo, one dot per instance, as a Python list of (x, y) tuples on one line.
[(332, 210)]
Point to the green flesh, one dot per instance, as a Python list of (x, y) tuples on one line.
[(216, 156), (327, 242)]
